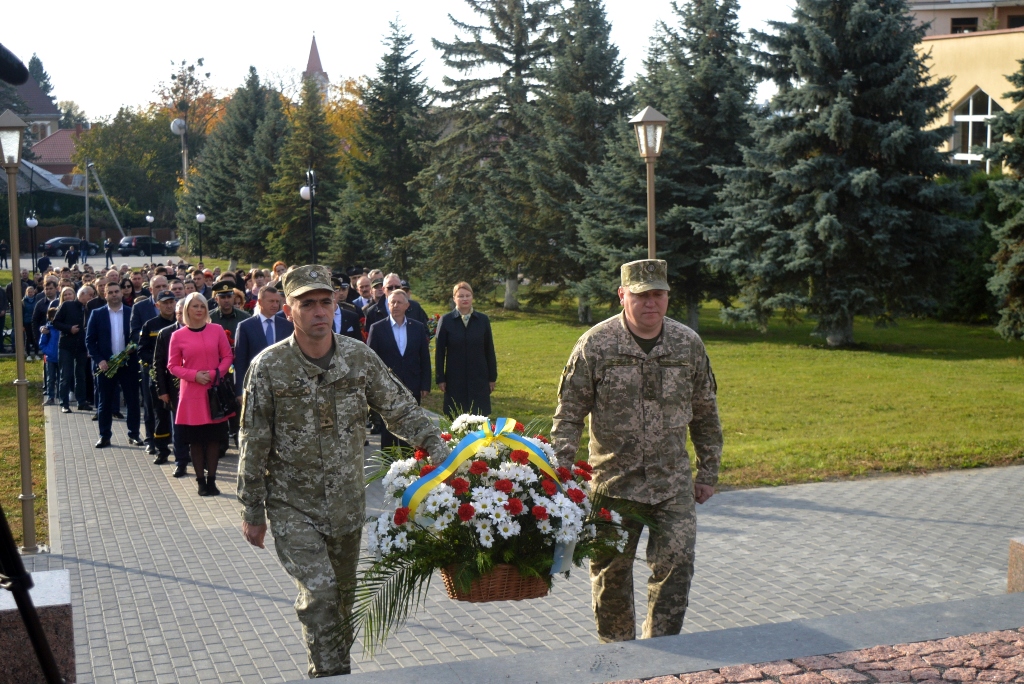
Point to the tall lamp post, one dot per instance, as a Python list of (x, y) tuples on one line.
[(650, 133), (308, 193), (200, 219), (31, 222), (11, 130), (149, 220)]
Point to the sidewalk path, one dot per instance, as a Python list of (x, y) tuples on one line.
[(165, 589)]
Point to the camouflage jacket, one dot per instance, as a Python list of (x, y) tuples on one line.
[(302, 431), (640, 406)]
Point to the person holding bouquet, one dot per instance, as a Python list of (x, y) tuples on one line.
[(200, 355), (645, 380)]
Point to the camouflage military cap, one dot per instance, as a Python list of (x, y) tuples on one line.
[(645, 274), (305, 279)]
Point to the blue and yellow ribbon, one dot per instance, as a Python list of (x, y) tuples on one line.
[(468, 447)]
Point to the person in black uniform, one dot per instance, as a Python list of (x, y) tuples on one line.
[(167, 390), (147, 346), (346, 316)]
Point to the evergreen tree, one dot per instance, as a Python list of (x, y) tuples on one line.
[(583, 98), (1007, 282), (378, 208), (217, 183), (696, 75), (257, 174), (836, 211), (36, 71), (71, 114), (311, 144), (509, 47)]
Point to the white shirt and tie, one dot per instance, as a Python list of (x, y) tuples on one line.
[(116, 331), (268, 328), (400, 331)]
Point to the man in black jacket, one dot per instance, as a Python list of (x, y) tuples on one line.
[(161, 412), (167, 391), (72, 358)]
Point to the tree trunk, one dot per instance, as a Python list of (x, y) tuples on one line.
[(693, 313), (583, 310), (233, 264), (841, 335), (512, 292)]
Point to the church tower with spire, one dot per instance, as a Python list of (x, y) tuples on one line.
[(315, 70)]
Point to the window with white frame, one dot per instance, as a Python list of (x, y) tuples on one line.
[(972, 133)]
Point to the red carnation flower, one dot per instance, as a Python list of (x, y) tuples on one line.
[(466, 512), (420, 454), (402, 515), (563, 473), (584, 465), (478, 468), (541, 438), (582, 473), (539, 512), (446, 436), (427, 469), (605, 514), (460, 485), (549, 486), (519, 426), (519, 456), (514, 506), (576, 495), (504, 486)]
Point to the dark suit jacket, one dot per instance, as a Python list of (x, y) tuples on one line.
[(250, 340), (141, 313), (412, 368), (465, 359), (70, 314), (97, 335), (349, 323), (161, 353)]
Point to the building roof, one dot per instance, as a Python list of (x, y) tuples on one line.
[(314, 69), (38, 102), (32, 178), (58, 148)]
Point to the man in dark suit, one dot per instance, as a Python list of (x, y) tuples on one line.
[(402, 345), (346, 316), (72, 358), (259, 332), (393, 282), (144, 310), (108, 334), (161, 413)]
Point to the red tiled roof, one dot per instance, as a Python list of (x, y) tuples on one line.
[(36, 100), (55, 149)]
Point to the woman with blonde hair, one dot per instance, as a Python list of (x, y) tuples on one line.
[(464, 357), (200, 355)]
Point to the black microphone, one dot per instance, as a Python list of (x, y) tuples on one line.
[(11, 68)]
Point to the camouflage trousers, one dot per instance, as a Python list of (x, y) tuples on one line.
[(670, 553), (324, 569)]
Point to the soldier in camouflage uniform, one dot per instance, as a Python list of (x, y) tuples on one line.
[(301, 464), (643, 379)]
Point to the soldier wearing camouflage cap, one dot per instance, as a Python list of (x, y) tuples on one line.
[(301, 464), (644, 379)]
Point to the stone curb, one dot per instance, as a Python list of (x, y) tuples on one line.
[(713, 650)]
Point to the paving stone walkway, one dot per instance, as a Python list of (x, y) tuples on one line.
[(165, 589), (982, 657)]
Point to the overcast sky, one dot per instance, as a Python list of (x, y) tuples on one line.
[(110, 53)]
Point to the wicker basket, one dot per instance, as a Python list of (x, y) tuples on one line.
[(503, 583)]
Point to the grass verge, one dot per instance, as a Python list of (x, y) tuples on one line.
[(10, 455)]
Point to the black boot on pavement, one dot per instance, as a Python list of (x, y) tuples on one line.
[(181, 470), (211, 486), (201, 481)]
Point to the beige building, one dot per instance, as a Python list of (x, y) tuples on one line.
[(977, 45)]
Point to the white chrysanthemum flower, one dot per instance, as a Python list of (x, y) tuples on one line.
[(498, 514), (565, 535), (499, 498), (616, 518), (545, 526), (402, 540), (483, 493), (443, 521), (486, 538), (591, 531), (483, 506), (467, 423), (508, 528), (482, 524)]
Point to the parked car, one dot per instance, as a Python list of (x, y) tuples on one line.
[(172, 246), (58, 246), (140, 245)]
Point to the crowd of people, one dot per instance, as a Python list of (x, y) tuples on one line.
[(145, 345)]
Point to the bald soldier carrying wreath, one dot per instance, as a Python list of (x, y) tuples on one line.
[(301, 464), (643, 379)]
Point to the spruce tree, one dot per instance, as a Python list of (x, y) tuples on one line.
[(697, 75), (36, 71), (1007, 282), (509, 46), (582, 100), (836, 211), (310, 144), (257, 173), (378, 208)]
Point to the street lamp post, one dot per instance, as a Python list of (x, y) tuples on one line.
[(200, 218), (149, 220), (650, 133), (11, 130), (308, 193), (31, 222)]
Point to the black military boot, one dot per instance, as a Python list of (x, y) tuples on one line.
[(201, 481)]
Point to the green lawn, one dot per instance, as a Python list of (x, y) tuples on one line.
[(10, 455), (921, 396)]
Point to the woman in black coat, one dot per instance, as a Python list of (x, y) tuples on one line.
[(464, 357)]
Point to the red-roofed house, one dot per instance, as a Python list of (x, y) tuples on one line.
[(54, 152)]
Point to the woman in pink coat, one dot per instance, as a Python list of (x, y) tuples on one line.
[(197, 352)]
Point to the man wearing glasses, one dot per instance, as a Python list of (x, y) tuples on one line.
[(379, 310)]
